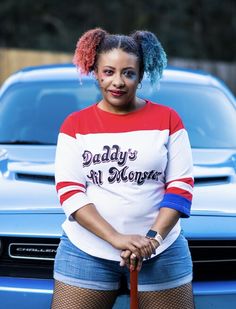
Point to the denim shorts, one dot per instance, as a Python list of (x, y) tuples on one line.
[(169, 269)]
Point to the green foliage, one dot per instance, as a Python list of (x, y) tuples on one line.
[(200, 29)]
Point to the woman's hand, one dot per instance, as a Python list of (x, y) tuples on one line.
[(129, 259), (140, 246)]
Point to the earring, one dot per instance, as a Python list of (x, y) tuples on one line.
[(139, 86)]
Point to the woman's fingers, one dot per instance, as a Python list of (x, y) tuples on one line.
[(132, 249), (125, 254), (130, 260), (122, 262), (146, 246), (134, 261), (146, 251), (139, 264), (125, 258)]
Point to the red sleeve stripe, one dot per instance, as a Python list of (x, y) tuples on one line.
[(69, 189), (188, 181), (180, 192), (181, 185), (64, 184), (67, 195)]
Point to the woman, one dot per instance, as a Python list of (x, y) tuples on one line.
[(124, 178)]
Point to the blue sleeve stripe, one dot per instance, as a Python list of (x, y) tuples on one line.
[(177, 202)]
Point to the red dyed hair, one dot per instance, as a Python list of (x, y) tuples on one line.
[(85, 53)]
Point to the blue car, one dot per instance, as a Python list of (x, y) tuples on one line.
[(33, 104)]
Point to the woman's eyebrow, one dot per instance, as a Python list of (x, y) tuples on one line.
[(109, 66), (129, 68), (113, 68)]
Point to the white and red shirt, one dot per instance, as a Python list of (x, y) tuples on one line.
[(128, 166)]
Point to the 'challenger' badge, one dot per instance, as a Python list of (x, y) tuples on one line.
[(32, 251)]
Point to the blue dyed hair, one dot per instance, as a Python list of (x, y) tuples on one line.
[(153, 55)]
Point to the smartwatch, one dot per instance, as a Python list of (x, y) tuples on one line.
[(151, 234)]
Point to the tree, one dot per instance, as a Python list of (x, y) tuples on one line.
[(190, 28)]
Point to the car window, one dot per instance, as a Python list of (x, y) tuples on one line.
[(33, 113), (208, 115)]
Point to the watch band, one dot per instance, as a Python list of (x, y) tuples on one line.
[(151, 234)]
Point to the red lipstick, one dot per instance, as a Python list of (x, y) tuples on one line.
[(117, 93)]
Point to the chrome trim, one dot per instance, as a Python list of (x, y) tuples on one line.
[(214, 261), (25, 290), (210, 247), (27, 257)]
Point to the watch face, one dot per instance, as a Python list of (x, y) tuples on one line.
[(151, 233)]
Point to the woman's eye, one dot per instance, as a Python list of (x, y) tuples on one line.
[(108, 72), (130, 74)]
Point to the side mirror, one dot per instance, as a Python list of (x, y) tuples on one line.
[(3, 161)]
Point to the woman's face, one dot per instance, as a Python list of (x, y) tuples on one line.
[(118, 77)]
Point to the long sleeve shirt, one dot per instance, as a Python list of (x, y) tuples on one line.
[(127, 165)]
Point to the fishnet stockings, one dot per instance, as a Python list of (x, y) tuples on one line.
[(177, 298), (70, 297)]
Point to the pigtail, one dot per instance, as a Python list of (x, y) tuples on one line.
[(85, 53), (153, 54)]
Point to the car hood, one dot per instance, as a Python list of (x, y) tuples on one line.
[(32, 167), (46, 154)]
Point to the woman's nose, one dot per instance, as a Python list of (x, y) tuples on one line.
[(118, 81)]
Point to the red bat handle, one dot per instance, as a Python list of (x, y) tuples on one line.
[(134, 289)]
